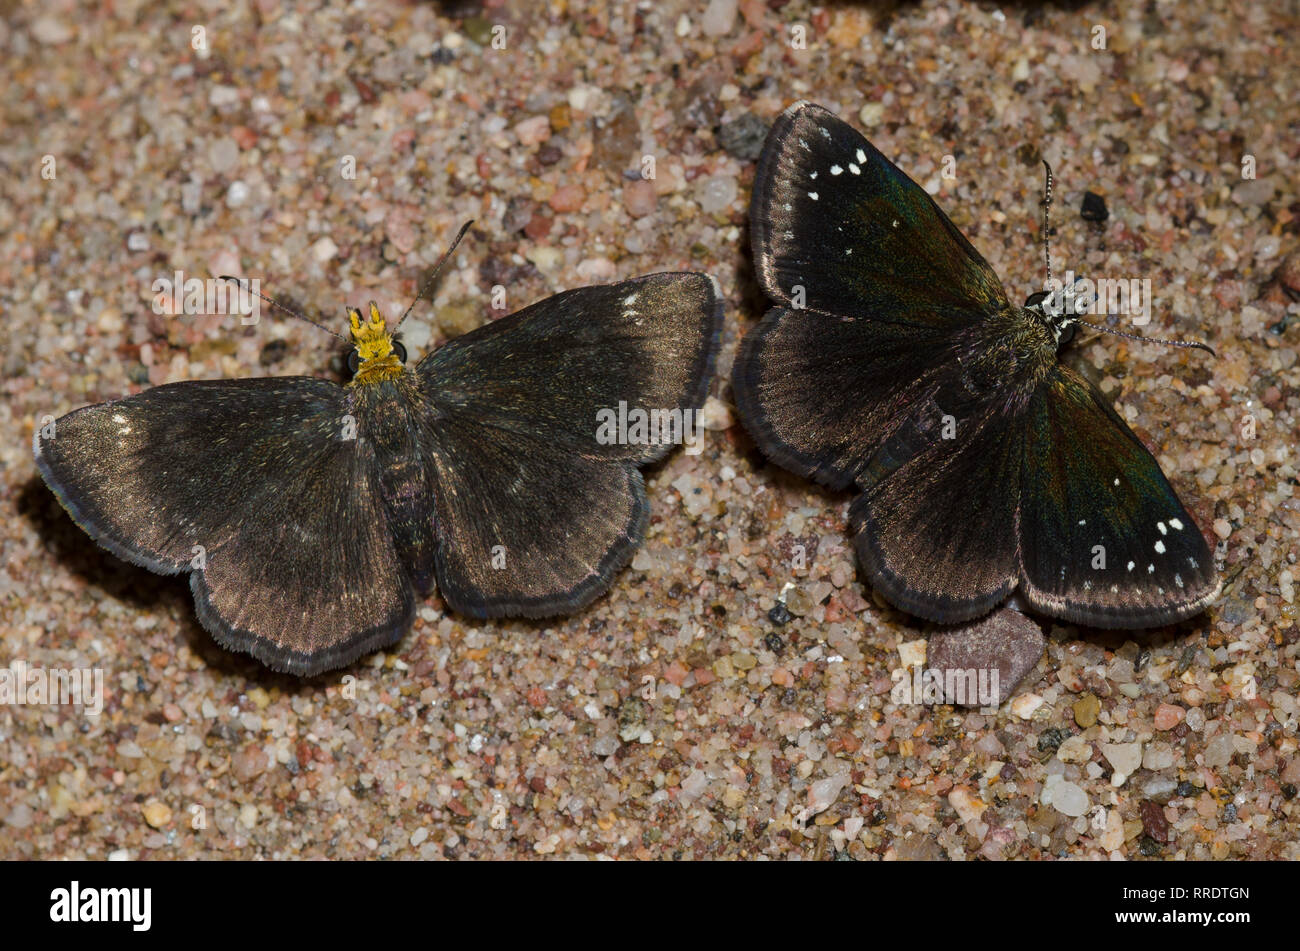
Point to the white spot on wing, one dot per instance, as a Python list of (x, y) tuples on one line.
[(1160, 548), (836, 170), (812, 195), (1175, 523), (1130, 566), (862, 157), (1161, 526)]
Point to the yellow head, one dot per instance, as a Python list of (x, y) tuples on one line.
[(377, 353)]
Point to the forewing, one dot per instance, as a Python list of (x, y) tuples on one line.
[(874, 283), (832, 215), (255, 486), (562, 365), (1104, 539)]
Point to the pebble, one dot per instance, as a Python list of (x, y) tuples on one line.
[(249, 763), (324, 250), (1218, 752), (912, 653), (51, 31), (1066, 798), (1168, 716), (568, 198), (157, 814), (1074, 750), (639, 198), (1086, 709), (719, 17), (799, 602), (533, 131), (716, 193), (20, 816), (1124, 757), (1007, 641), (823, 793), (743, 136), (1024, 705)]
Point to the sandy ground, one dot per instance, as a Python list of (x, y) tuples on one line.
[(673, 718)]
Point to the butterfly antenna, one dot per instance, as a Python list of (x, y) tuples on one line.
[(275, 303), (1189, 344), (437, 268), (1047, 229)]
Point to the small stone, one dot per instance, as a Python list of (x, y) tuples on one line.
[(1124, 757), (799, 602), (1086, 709), (639, 198), (259, 698), (1168, 716), (19, 817), (51, 31), (912, 653), (743, 136), (1154, 822), (533, 131), (567, 198), (1093, 207), (1024, 705), (780, 616), (156, 813), (716, 193), (1218, 752), (969, 806), (823, 793), (1006, 642), (1068, 799), (249, 763), (1074, 750), (324, 250), (719, 17)]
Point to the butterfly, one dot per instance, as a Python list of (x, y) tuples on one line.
[(311, 516), (893, 362)]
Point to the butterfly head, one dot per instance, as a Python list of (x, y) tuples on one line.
[(1059, 308), (377, 354)]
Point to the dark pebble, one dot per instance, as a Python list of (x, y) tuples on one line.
[(1288, 790), (1154, 823), (1185, 789), (743, 137), (779, 615), (1051, 738), (774, 642), (1093, 208), (1149, 847), (272, 353)]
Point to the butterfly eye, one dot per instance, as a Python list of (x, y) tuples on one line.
[(400, 351), (354, 361), (1035, 301), (1067, 334)]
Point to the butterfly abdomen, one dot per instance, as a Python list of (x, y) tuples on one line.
[(384, 411)]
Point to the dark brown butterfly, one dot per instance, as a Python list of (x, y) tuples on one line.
[(311, 516)]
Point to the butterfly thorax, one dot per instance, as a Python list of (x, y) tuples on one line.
[(1011, 351), (378, 358)]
